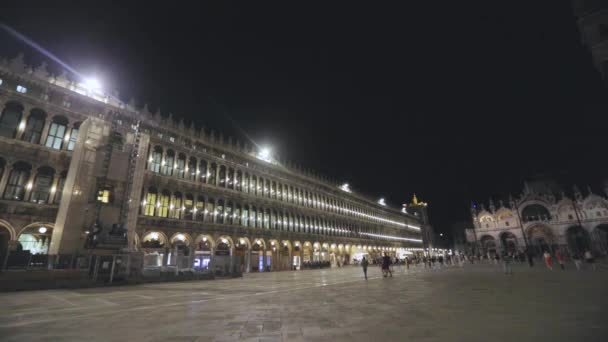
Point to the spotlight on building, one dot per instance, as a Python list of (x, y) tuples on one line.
[(92, 84), (381, 201), (42, 230), (265, 154), (345, 187)]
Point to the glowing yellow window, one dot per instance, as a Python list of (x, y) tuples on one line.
[(103, 196)]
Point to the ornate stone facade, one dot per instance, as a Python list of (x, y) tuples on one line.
[(76, 161), (548, 217)]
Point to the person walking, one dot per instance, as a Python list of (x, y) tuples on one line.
[(364, 264), (560, 259), (590, 259), (386, 263), (529, 256), (547, 258), (506, 262), (577, 261)]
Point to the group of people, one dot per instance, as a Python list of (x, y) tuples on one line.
[(506, 257), (385, 263), (561, 259)]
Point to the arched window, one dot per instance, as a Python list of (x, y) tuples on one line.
[(228, 213), (34, 126), (192, 169), (230, 178), (200, 209), (237, 215), (202, 171), (535, 212), (180, 166), (189, 213), (259, 222), (74, 136), (254, 185), (273, 190), (175, 208), (239, 181), (150, 201), (252, 217), (220, 212), (162, 206), (223, 176), (168, 164), (57, 132), (17, 181), (211, 214), (41, 190), (211, 175), (267, 219), (245, 216), (156, 157), (10, 119), (246, 183)]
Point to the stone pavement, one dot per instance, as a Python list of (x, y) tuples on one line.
[(474, 303)]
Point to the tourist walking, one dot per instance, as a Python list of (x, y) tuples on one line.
[(577, 261), (386, 263), (547, 258), (589, 259), (529, 256), (506, 262), (560, 259), (364, 265)]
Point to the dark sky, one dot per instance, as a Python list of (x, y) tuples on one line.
[(455, 101)]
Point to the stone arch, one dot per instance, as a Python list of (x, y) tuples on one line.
[(224, 243), (535, 212), (181, 238), (9, 228), (36, 237), (600, 238), (578, 240), (10, 119), (154, 239), (508, 242), (488, 244), (206, 240), (540, 238)]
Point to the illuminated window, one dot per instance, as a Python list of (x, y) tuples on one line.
[(103, 196), (73, 137), (21, 89)]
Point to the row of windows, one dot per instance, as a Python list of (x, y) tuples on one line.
[(169, 163), (204, 209), (31, 130), (42, 188)]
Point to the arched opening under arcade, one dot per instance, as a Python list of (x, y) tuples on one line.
[(153, 245), (257, 255), (600, 238), (488, 245), (540, 239), (508, 242), (578, 240), (203, 249)]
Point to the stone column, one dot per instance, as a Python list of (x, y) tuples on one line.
[(137, 184), (79, 183)]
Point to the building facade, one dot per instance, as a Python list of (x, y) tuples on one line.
[(81, 171), (542, 218)]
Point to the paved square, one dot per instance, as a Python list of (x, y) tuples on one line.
[(475, 303)]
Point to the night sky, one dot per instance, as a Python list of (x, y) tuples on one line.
[(455, 102)]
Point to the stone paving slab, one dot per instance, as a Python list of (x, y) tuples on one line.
[(474, 303)]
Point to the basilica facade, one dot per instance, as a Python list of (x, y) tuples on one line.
[(83, 172), (543, 218)]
